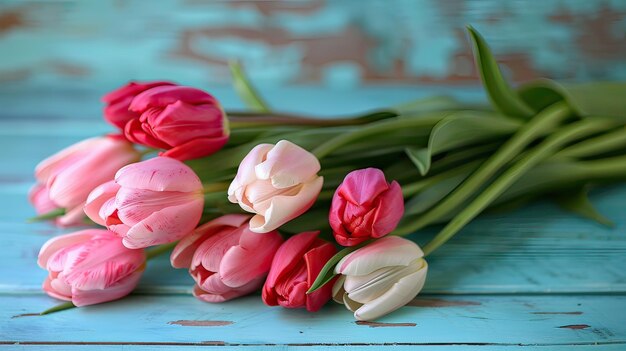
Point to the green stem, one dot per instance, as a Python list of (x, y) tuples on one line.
[(214, 187), (525, 135), (57, 212), (159, 250), (601, 144), (246, 90), (60, 307), (384, 126), (544, 150)]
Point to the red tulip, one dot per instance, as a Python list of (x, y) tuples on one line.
[(365, 206), (116, 112), (225, 258), (89, 267), (294, 268), (187, 122)]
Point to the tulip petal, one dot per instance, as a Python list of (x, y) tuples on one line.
[(315, 260), (97, 198), (365, 288), (384, 252), (159, 174), (196, 148), (57, 243), (285, 208), (399, 295), (134, 205), (46, 168), (165, 226), (245, 172), (231, 294), (250, 259), (53, 292), (287, 164), (165, 95), (118, 290), (182, 122), (389, 212), (362, 186), (183, 252), (73, 217), (38, 196), (288, 256)]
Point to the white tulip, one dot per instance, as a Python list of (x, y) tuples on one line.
[(380, 278)]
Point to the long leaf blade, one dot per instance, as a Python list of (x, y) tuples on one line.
[(246, 90)]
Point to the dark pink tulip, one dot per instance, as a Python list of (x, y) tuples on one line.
[(187, 122), (294, 268), (225, 258), (90, 267), (365, 206), (152, 202), (116, 111)]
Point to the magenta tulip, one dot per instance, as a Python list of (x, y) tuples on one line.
[(187, 122), (90, 267), (118, 101), (225, 258), (277, 183), (65, 179), (365, 206), (294, 268), (153, 202)]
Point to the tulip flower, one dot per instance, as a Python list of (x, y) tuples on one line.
[(90, 267), (118, 101), (225, 258), (294, 268), (365, 206), (153, 202), (277, 183), (380, 277), (187, 122), (65, 179)]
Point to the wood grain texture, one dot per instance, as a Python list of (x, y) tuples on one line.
[(498, 320)]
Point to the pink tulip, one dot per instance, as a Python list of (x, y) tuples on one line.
[(118, 101), (380, 278), (365, 206), (187, 122), (65, 179), (152, 202), (225, 258), (294, 268), (276, 182), (90, 267)]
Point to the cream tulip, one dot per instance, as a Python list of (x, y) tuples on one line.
[(380, 278)]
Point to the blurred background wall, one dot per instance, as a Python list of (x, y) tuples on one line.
[(334, 43)]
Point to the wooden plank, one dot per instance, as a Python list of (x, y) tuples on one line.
[(448, 320), (536, 249)]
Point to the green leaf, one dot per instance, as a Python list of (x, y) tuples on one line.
[(60, 307), (47, 216), (328, 271), (433, 194), (501, 95), (461, 129), (246, 90), (600, 99), (420, 158), (578, 202)]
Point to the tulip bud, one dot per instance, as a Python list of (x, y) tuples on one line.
[(90, 267), (187, 122), (380, 277), (365, 206), (294, 269), (225, 258), (65, 179), (276, 182), (152, 202), (118, 101)]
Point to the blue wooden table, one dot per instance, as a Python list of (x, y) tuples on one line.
[(534, 279)]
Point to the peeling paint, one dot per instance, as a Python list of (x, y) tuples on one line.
[(570, 313), (575, 326), (440, 303), (192, 323), (378, 325)]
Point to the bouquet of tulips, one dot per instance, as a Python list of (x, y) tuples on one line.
[(304, 209)]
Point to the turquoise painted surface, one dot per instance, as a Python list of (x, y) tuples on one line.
[(534, 279), (339, 43)]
